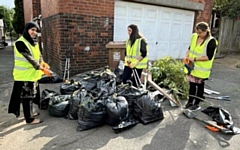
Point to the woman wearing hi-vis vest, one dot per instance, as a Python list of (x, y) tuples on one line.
[(135, 54), (201, 53), (28, 69)]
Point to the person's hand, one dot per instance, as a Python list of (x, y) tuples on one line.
[(127, 62), (47, 72), (44, 65), (134, 64), (189, 62), (190, 59), (185, 60)]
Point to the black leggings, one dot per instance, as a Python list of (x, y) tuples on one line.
[(192, 91), (127, 73), (27, 109)]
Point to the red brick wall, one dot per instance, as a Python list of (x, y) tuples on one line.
[(32, 8), (49, 7), (51, 39), (204, 15), (28, 13), (36, 8), (77, 25)]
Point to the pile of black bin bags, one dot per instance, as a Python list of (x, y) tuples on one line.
[(94, 99)]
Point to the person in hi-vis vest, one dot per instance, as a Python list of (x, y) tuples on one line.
[(28, 69), (135, 54), (201, 53)]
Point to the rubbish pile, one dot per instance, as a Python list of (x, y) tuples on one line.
[(96, 98)]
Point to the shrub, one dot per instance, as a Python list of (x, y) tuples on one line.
[(168, 73)]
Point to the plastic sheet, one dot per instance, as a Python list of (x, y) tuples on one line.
[(222, 117)]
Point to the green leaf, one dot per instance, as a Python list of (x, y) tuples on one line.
[(169, 73)]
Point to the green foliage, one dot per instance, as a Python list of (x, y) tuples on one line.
[(18, 18), (6, 14), (230, 8), (168, 73)]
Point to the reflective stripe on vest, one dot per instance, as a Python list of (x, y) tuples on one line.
[(133, 53), (202, 69), (23, 69), (20, 58)]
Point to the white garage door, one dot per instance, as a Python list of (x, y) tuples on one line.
[(167, 30)]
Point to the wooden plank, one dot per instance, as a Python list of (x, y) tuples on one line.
[(161, 90)]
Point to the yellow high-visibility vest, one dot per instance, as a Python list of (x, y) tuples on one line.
[(133, 52), (202, 69), (23, 69)]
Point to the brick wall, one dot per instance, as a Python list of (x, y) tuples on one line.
[(49, 7), (28, 10), (32, 8), (36, 8), (77, 25), (51, 39), (204, 15)]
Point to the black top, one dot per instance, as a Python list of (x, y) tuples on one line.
[(211, 48), (143, 49)]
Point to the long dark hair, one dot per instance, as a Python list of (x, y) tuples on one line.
[(204, 27), (135, 33)]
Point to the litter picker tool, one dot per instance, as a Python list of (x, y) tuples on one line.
[(137, 78), (209, 124), (224, 98)]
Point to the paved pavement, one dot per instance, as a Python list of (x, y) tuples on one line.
[(175, 132)]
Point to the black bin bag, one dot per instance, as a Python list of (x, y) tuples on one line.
[(131, 93), (91, 113), (52, 79), (89, 80), (46, 96), (74, 103), (119, 72), (59, 105), (117, 110), (106, 87), (69, 87), (147, 109)]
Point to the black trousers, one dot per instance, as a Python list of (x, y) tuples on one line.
[(27, 109), (26, 97), (127, 75), (197, 90)]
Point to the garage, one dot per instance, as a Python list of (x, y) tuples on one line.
[(166, 29)]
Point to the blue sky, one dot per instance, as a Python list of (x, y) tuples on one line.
[(7, 3)]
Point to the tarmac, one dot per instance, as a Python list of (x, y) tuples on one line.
[(174, 132)]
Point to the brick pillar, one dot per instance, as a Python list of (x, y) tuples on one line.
[(72, 26), (204, 15), (28, 10)]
